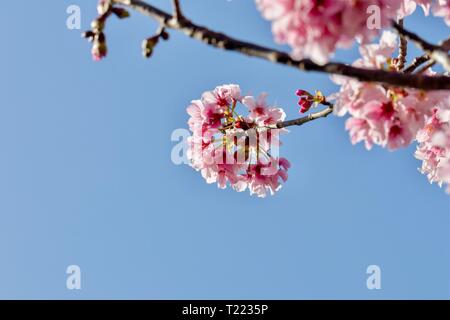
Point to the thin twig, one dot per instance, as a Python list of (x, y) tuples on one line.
[(402, 50), (177, 13), (220, 40), (417, 62), (310, 117), (436, 52), (426, 67)]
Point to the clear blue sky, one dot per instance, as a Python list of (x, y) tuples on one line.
[(86, 176)]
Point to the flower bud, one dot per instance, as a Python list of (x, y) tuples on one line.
[(148, 45), (88, 35), (99, 48), (121, 13), (306, 100)]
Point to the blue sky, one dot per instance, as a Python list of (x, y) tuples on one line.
[(86, 176)]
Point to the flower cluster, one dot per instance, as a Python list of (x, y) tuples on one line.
[(434, 147), (385, 116), (228, 148), (315, 29)]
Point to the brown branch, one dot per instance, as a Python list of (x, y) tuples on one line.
[(310, 117), (402, 50), (417, 62), (220, 40), (426, 67), (177, 13), (149, 44), (421, 43), (436, 52)]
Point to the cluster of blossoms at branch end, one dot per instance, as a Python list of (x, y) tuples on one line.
[(434, 147), (395, 117), (381, 115), (231, 149)]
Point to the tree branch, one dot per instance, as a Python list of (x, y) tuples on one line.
[(426, 67), (310, 117), (436, 52), (402, 50), (417, 62), (177, 13), (220, 40)]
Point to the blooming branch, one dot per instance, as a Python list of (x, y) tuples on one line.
[(223, 41), (390, 105)]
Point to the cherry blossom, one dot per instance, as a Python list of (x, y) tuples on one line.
[(314, 29), (240, 151), (385, 116), (231, 149), (434, 147)]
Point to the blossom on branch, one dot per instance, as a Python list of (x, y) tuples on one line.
[(315, 29), (434, 146), (381, 115), (307, 100), (231, 149)]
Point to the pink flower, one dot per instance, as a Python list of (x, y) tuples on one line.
[(384, 116), (376, 55), (230, 149), (306, 100), (391, 121), (222, 96), (434, 147), (257, 107), (263, 178), (359, 131), (260, 113), (314, 29)]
